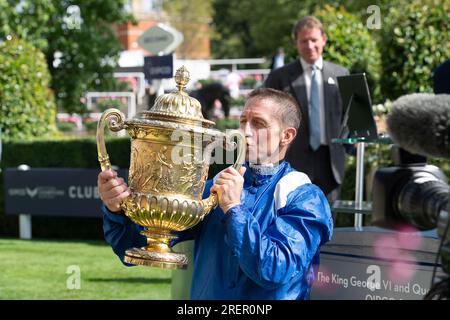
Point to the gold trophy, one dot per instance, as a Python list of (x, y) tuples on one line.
[(171, 147)]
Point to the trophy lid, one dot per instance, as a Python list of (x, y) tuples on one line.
[(177, 106)]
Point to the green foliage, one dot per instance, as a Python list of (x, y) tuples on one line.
[(90, 126), (229, 31), (28, 20), (77, 153), (248, 82), (240, 34), (359, 7), (205, 82), (81, 53), (104, 104), (415, 40), (189, 16), (27, 106), (238, 102), (224, 124), (66, 126), (351, 45)]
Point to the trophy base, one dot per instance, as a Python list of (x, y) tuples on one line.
[(166, 260)]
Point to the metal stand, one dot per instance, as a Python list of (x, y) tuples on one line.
[(358, 206), (359, 187)]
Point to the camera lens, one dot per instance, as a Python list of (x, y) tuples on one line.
[(421, 199)]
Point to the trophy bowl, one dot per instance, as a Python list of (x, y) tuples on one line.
[(171, 146)]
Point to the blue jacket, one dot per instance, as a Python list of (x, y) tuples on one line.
[(265, 248)]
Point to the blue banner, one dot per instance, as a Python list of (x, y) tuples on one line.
[(158, 67)]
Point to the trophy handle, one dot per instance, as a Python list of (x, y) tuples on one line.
[(115, 120), (212, 201)]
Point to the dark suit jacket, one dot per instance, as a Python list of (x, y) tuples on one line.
[(289, 78)]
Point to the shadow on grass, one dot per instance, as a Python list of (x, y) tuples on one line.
[(132, 280)]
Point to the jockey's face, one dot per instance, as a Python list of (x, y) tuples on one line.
[(262, 130)]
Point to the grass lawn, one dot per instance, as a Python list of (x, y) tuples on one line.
[(38, 269)]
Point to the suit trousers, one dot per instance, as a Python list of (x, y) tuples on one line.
[(322, 174)]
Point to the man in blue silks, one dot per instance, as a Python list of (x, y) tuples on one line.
[(263, 239)]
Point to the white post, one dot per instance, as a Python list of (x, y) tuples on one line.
[(25, 226), (24, 219)]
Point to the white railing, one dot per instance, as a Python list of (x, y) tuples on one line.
[(131, 111), (243, 72), (140, 77), (235, 62)]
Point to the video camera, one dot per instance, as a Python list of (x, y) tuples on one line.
[(409, 192), (412, 191)]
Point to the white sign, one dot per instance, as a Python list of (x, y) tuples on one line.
[(160, 39)]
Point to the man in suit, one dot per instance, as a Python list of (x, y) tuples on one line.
[(312, 82)]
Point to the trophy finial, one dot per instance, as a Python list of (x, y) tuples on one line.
[(178, 105), (182, 77)]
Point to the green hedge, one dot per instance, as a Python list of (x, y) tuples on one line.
[(27, 107), (60, 153), (415, 40)]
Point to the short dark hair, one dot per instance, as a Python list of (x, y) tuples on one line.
[(308, 22), (288, 112)]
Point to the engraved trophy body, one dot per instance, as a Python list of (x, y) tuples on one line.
[(171, 147)]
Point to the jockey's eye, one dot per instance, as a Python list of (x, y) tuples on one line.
[(257, 123)]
